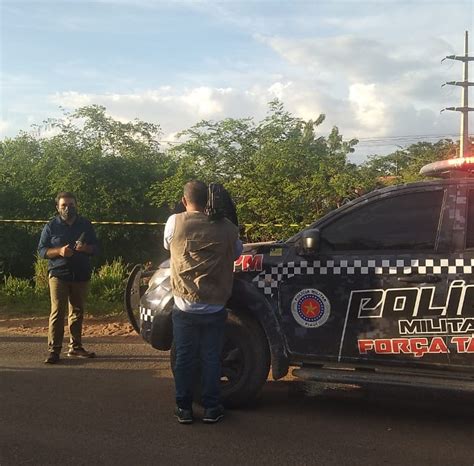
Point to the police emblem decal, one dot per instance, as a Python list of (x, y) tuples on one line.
[(310, 308)]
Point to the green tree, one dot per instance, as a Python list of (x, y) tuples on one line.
[(403, 166), (281, 172), (108, 164), (278, 171)]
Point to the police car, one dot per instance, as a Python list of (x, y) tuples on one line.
[(380, 290)]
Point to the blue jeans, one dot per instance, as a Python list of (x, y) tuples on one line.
[(198, 337)]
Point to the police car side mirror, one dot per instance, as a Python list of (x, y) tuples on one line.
[(310, 240)]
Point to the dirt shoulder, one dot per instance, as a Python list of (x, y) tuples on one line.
[(93, 326)]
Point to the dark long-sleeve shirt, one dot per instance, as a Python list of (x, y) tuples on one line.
[(58, 233)]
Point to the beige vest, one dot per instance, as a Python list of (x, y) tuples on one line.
[(202, 258)]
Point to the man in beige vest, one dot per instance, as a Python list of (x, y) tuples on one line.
[(202, 258)]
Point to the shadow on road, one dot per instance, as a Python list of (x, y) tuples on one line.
[(398, 401)]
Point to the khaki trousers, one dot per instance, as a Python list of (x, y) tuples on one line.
[(66, 294)]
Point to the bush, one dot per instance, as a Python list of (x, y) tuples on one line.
[(41, 276), (17, 287), (20, 296), (107, 282)]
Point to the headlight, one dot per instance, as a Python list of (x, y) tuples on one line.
[(158, 278)]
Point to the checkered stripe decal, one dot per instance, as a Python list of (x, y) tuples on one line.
[(268, 280), (146, 315)]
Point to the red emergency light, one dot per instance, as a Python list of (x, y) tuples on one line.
[(451, 168)]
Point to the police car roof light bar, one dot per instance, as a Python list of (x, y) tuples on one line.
[(461, 166)]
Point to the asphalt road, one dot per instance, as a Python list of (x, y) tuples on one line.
[(117, 409)]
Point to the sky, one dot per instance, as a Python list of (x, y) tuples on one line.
[(372, 67)]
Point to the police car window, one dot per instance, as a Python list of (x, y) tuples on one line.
[(409, 221), (470, 221)]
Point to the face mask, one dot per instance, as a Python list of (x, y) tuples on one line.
[(68, 213)]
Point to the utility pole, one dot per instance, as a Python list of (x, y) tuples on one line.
[(464, 145)]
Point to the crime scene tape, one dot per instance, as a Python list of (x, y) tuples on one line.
[(95, 223), (246, 225)]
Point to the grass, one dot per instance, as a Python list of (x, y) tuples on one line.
[(39, 307), (23, 307), (21, 297)]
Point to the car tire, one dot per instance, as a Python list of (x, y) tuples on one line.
[(245, 362), (132, 295), (137, 284)]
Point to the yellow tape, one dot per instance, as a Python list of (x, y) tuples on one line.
[(296, 225), (96, 223), (128, 223), (246, 225), (23, 221)]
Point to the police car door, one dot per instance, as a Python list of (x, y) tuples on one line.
[(378, 269), (458, 322)]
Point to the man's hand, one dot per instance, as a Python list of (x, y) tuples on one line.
[(65, 251), (83, 247)]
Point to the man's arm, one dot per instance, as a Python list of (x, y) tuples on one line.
[(64, 251), (239, 247), (46, 251), (169, 232)]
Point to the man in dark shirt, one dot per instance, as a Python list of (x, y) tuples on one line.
[(68, 241)]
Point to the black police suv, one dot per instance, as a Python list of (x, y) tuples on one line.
[(380, 290)]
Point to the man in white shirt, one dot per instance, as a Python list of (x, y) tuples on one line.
[(202, 257)]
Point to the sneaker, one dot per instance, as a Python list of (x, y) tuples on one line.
[(185, 416), (80, 353), (213, 415), (53, 358)]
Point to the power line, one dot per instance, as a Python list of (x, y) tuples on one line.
[(391, 141), (408, 136), (379, 139)]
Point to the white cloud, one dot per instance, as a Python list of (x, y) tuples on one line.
[(4, 126), (376, 83), (365, 110), (372, 67), (369, 107), (206, 102), (174, 109), (279, 89), (71, 99), (351, 58)]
